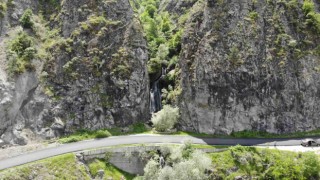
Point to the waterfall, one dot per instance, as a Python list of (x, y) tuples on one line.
[(155, 94), (155, 97)]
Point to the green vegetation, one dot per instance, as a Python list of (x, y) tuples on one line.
[(87, 134), (49, 7), (26, 19), (95, 24), (256, 163), (165, 119), (205, 146), (312, 17), (3, 9), (163, 31), (63, 167), (141, 128), (254, 134), (237, 161), (181, 163), (120, 64), (163, 37), (234, 57), (20, 54), (261, 134), (109, 170), (254, 16), (59, 167)]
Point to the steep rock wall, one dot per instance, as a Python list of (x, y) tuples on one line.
[(91, 73), (250, 65)]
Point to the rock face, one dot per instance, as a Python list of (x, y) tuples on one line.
[(242, 65), (92, 76), (100, 78), (250, 65)]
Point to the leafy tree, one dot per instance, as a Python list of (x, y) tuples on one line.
[(151, 170), (179, 167), (166, 118)]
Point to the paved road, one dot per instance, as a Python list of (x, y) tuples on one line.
[(138, 139)]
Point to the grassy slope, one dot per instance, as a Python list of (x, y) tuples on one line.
[(62, 167), (265, 164), (59, 167), (237, 161)]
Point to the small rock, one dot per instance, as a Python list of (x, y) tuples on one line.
[(58, 124), (15, 16), (2, 142), (100, 174), (79, 156), (125, 130), (238, 178)]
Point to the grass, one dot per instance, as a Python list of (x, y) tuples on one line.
[(137, 128), (87, 134), (83, 135), (140, 128), (59, 167), (63, 167), (253, 134), (110, 171), (257, 134), (205, 146), (256, 163)]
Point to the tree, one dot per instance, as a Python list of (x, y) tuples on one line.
[(178, 167), (166, 118)]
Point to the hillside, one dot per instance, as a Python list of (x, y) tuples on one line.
[(228, 65)]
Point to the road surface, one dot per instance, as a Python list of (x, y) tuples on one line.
[(138, 139)]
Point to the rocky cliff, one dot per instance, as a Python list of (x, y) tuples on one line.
[(251, 65), (67, 66), (229, 65)]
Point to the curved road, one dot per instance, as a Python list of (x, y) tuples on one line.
[(138, 139)]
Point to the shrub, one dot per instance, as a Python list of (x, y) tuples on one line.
[(254, 16), (154, 65), (95, 166), (97, 20), (120, 64), (20, 54), (26, 19), (312, 17), (3, 9), (166, 118), (308, 6), (21, 43), (102, 134), (311, 166)]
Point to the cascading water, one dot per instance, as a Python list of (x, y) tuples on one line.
[(155, 94), (155, 97)]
